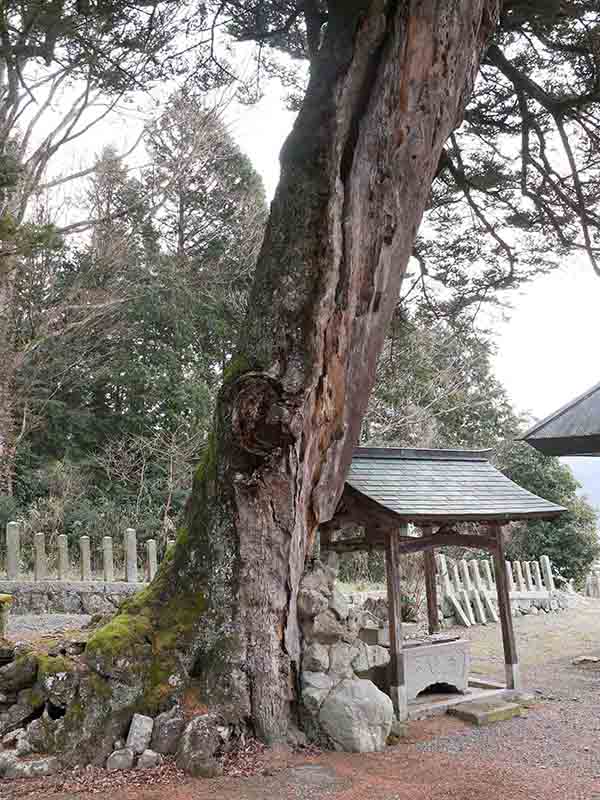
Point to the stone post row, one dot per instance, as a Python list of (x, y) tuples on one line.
[(63, 558), (86, 558), (107, 559), (13, 550), (151, 558), (547, 572), (131, 573), (40, 566)]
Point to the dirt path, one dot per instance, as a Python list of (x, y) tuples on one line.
[(551, 754)]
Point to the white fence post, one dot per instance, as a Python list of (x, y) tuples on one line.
[(489, 578), (528, 576), (547, 571), (510, 576), (537, 577), (520, 581)]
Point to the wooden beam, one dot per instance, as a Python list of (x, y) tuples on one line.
[(376, 540), (394, 589), (444, 539), (511, 660), (431, 586), (356, 545)]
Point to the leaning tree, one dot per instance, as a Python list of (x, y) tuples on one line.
[(390, 81)]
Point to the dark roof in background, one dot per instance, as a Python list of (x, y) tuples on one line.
[(574, 429), (442, 485)]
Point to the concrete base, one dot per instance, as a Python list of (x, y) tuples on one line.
[(486, 712), (434, 705), (481, 690)]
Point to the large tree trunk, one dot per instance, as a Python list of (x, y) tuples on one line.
[(7, 377), (387, 87)]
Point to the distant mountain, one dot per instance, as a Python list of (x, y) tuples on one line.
[(587, 472)]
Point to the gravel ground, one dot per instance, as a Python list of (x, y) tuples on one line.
[(30, 626), (551, 754)]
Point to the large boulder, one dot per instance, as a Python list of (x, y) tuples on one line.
[(58, 679), (369, 656), (20, 673), (357, 717), (32, 769), (311, 603), (149, 759), (198, 747), (341, 655), (327, 629), (320, 578), (168, 728), (29, 701), (339, 604), (316, 658), (315, 688), (120, 760)]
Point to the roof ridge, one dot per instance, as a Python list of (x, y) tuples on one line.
[(566, 407), (422, 453)]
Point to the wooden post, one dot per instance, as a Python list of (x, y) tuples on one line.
[(431, 586), (397, 674), (511, 661)]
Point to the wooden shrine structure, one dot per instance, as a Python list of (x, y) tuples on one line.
[(435, 490), (572, 430)]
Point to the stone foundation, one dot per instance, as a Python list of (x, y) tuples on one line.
[(63, 597)]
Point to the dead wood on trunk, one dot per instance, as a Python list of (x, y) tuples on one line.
[(387, 87)]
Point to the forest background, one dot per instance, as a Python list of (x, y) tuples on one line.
[(130, 278)]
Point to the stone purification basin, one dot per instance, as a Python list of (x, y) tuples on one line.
[(430, 660), (436, 661)]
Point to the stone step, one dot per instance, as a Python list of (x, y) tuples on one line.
[(485, 712)]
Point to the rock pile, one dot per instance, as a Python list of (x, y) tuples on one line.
[(341, 704)]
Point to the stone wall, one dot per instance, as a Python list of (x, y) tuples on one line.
[(63, 597)]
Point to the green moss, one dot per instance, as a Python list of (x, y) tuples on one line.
[(120, 635), (236, 367), (52, 665), (100, 686), (35, 697), (6, 600), (207, 468)]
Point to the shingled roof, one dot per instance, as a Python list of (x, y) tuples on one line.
[(442, 485), (573, 430)]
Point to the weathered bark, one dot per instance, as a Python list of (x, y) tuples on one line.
[(8, 433), (387, 87)]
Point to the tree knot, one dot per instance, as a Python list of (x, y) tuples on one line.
[(260, 417)]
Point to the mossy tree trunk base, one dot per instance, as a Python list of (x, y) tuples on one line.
[(387, 87)]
